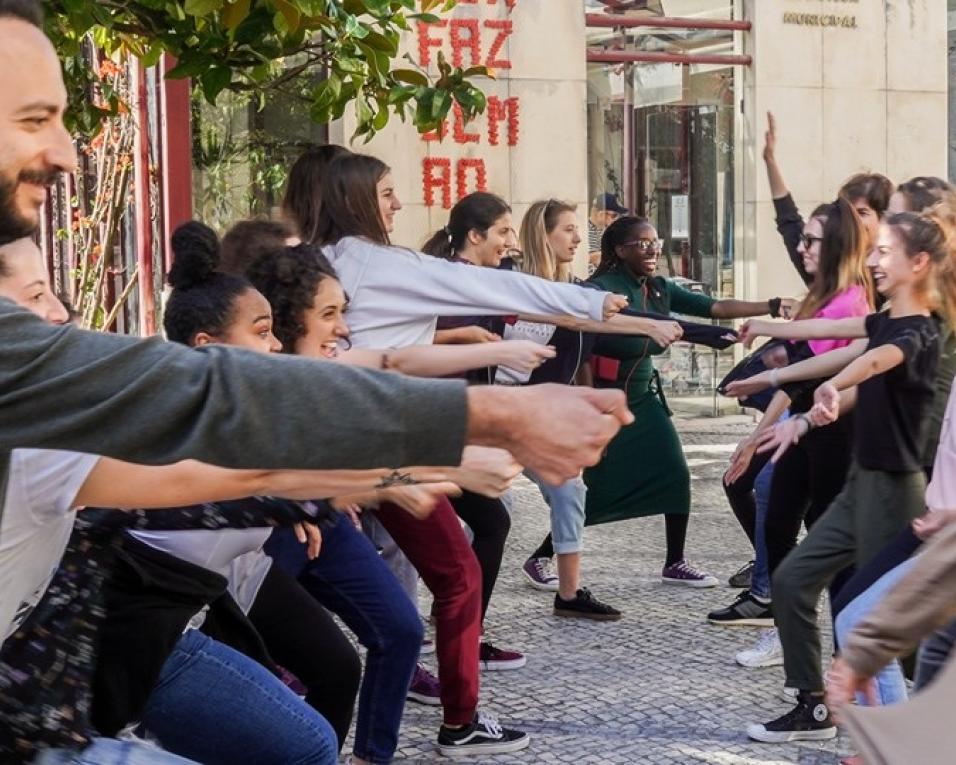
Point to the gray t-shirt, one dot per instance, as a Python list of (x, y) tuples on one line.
[(38, 515)]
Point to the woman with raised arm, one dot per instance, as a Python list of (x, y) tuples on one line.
[(869, 193), (629, 252), (892, 386)]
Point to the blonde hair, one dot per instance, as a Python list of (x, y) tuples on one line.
[(933, 232), (539, 258)]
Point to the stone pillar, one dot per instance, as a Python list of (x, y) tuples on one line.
[(855, 85)]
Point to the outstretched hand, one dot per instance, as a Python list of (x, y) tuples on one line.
[(614, 304), (486, 470), (740, 460), (826, 400), (524, 356), (781, 437), (844, 683), (751, 330), (748, 387), (665, 332), (420, 500), (556, 430), (309, 535)]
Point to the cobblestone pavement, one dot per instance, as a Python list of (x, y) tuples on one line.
[(660, 686)]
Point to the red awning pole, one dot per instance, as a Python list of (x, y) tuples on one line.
[(664, 22), (655, 57)]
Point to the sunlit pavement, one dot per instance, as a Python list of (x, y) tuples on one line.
[(659, 686)]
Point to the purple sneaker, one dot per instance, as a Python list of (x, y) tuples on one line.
[(492, 659), (540, 574), (685, 575), (425, 688)]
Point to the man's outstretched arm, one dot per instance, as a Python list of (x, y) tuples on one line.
[(156, 403)]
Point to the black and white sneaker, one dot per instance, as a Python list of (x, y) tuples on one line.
[(585, 606), (745, 611), (484, 736), (809, 720)]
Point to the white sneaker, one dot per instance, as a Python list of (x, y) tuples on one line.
[(767, 651)]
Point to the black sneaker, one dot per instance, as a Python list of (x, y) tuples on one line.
[(484, 736), (741, 580), (745, 611), (585, 606), (809, 720)]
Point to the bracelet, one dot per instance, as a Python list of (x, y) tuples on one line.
[(774, 377), (806, 418), (773, 306), (396, 478)]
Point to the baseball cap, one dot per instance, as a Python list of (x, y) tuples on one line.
[(610, 203)]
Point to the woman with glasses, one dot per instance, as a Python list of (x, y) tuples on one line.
[(644, 471)]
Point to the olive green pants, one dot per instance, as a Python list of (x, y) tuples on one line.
[(872, 509)]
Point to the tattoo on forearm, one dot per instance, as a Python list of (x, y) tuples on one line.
[(396, 478)]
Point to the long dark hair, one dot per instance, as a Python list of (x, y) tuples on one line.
[(350, 200), (614, 235), (842, 262), (302, 204), (475, 212), (289, 278), (203, 299)]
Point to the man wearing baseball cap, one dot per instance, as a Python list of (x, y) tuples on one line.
[(605, 209)]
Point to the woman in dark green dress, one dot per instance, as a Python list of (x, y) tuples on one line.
[(644, 471)]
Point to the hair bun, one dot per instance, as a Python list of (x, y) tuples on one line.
[(196, 255)]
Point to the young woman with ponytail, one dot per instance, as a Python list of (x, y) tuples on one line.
[(890, 384), (806, 479)]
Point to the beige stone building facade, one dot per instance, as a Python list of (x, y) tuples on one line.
[(664, 104)]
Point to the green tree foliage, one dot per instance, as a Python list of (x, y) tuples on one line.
[(330, 53)]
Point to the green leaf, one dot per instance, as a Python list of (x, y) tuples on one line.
[(355, 28), (235, 13), (215, 80), (411, 76), (202, 7), (441, 103)]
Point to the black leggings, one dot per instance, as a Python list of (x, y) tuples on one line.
[(490, 523), (740, 495), (806, 480), (303, 638), (675, 533)]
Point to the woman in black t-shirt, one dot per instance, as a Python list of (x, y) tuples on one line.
[(891, 386)]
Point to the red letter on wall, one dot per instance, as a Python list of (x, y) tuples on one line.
[(427, 42), (504, 27), (436, 174), (460, 135), (481, 176), (499, 110), (465, 34)]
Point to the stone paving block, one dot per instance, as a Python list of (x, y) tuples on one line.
[(659, 686)]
